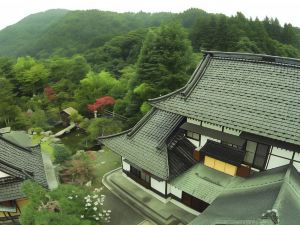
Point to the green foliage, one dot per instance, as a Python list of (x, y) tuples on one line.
[(101, 126), (84, 55), (61, 153), (30, 75), (76, 117), (8, 110), (95, 85), (62, 206), (145, 107)]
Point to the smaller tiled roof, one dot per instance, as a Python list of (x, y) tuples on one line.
[(202, 182), (255, 200), (223, 152), (20, 138), (70, 110), (145, 145), (20, 162)]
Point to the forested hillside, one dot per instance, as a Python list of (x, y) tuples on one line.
[(56, 59)]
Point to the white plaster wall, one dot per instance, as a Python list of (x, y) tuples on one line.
[(158, 185), (196, 143), (275, 161), (126, 166), (168, 188), (282, 152), (176, 192), (232, 131), (2, 174), (212, 126), (193, 121), (297, 156), (297, 166)]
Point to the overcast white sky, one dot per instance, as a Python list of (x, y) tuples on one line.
[(11, 11)]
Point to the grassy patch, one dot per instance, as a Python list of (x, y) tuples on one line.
[(106, 161)]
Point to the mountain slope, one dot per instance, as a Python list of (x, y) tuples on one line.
[(17, 39)]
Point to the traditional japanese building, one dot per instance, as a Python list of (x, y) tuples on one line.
[(232, 129), (19, 161)]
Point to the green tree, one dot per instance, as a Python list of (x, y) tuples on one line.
[(8, 109), (164, 60), (30, 75), (94, 86)]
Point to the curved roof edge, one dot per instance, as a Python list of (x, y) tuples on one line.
[(256, 57), (114, 135)]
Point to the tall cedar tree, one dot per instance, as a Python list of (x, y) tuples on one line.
[(164, 60)]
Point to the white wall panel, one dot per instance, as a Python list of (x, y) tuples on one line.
[(205, 138), (275, 161), (297, 156), (126, 166), (158, 185), (282, 152), (297, 166), (2, 174), (176, 192), (196, 143)]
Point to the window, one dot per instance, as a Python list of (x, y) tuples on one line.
[(256, 154), (193, 135), (250, 152), (134, 171), (145, 176), (261, 155)]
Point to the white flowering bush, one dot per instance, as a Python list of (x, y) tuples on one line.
[(74, 205), (93, 206)]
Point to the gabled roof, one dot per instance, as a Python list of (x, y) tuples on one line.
[(70, 110), (247, 201), (22, 163), (258, 94), (145, 145), (202, 182)]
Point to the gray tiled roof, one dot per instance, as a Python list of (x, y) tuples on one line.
[(20, 162), (244, 201), (252, 93), (202, 182), (145, 145)]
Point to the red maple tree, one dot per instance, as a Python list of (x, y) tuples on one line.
[(100, 102)]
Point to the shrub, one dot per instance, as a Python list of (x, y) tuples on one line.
[(61, 153)]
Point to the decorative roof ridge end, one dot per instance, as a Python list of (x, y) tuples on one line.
[(189, 85), (160, 98)]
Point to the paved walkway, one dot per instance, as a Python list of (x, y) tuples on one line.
[(66, 130), (148, 205), (50, 172)]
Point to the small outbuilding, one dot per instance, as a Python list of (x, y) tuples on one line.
[(66, 115)]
